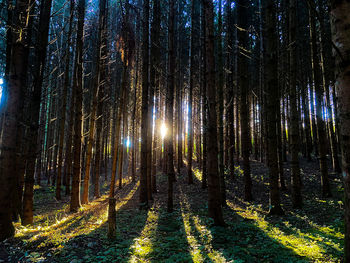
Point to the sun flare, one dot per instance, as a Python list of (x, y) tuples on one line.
[(163, 130)]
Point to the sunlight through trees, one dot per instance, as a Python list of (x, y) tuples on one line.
[(174, 131)]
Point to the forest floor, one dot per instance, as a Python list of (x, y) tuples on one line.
[(313, 234)]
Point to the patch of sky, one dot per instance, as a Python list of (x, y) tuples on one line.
[(224, 4), (1, 87)]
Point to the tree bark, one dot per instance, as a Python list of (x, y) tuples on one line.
[(78, 89), (34, 109), (294, 131), (155, 76), (230, 99), (340, 21), (243, 82), (12, 110), (103, 57), (95, 104), (144, 108), (220, 101), (272, 104), (321, 133), (68, 154), (194, 67), (214, 200), (170, 106), (203, 97), (64, 104)]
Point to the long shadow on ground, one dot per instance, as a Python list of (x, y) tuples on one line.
[(96, 247), (188, 234), (80, 236), (242, 240)]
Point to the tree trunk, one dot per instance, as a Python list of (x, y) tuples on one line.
[(150, 130), (340, 21), (103, 57), (15, 87), (34, 109), (64, 104), (230, 99), (194, 67), (21, 141), (91, 135), (305, 98), (294, 131), (321, 133), (95, 102), (134, 141), (328, 75), (155, 76), (78, 89), (144, 108), (203, 96), (272, 104), (279, 145), (68, 154), (214, 200), (313, 121), (112, 225), (242, 17), (121, 145), (117, 140), (169, 106), (220, 101)]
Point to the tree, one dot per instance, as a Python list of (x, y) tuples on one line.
[(243, 82), (34, 109), (144, 111), (220, 101), (203, 97), (154, 79), (64, 105), (78, 89), (102, 80), (112, 201), (340, 21), (150, 130), (16, 81), (97, 83), (230, 87), (214, 200), (327, 66), (272, 104), (294, 131), (320, 125), (170, 105), (194, 67)]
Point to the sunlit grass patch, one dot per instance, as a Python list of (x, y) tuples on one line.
[(195, 250), (313, 234), (330, 231), (197, 173), (121, 202), (334, 230), (199, 237), (69, 225), (307, 243), (142, 246), (238, 170)]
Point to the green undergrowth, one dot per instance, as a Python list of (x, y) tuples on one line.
[(314, 234), (293, 233)]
